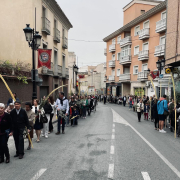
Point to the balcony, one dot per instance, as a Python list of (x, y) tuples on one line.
[(57, 71), (46, 26), (125, 77), (126, 41), (143, 55), (112, 63), (111, 78), (161, 26), (56, 35), (65, 43), (46, 71), (104, 66), (144, 34), (105, 52), (65, 73), (142, 76), (125, 57), (112, 48), (159, 50)]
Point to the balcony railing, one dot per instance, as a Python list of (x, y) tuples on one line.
[(65, 43), (105, 52), (105, 79), (143, 55), (67, 73), (144, 34), (56, 35), (46, 26), (142, 76), (111, 78), (112, 48), (125, 77), (112, 63), (125, 57), (105, 65), (126, 41), (159, 50), (57, 70), (46, 71), (161, 26)]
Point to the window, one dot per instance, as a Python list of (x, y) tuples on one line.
[(118, 72), (119, 56), (162, 40), (136, 50), (144, 67), (137, 29), (125, 51), (143, 11), (113, 72), (163, 15), (146, 24), (145, 46), (135, 70), (114, 41), (118, 40), (113, 57)]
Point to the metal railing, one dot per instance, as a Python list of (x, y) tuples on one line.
[(144, 33), (125, 41), (105, 51), (47, 71), (56, 35), (161, 25), (142, 75), (143, 55), (46, 25), (125, 77), (111, 78), (125, 56), (112, 48), (67, 72), (112, 63), (160, 50)]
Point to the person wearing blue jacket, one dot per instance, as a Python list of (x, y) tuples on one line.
[(161, 107), (75, 115)]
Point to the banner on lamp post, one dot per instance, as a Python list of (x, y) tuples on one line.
[(44, 58)]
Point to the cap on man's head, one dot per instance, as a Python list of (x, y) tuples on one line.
[(17, 102)]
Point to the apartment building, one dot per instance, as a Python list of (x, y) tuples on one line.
[(135, 48), (52, 24)]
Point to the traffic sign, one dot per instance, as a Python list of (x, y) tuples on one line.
[(161, 76)]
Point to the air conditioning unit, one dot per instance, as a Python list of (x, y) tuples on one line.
[(148, 84)]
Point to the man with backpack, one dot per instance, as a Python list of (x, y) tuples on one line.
[(162, 108)]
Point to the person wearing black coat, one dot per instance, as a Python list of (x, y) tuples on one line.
[(20, 122), (155, 115), (6, 129), (47, 109)]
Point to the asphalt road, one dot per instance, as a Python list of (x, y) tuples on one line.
[(110, 144)]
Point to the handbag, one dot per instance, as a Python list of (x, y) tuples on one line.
[(166, 113), (43, 118)]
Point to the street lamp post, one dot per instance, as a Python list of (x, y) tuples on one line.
[(34, 41), (160, 65), (75, 70)]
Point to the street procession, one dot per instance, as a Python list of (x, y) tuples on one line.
[(89, 90)]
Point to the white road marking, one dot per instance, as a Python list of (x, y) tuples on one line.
[(123, 121), (113, 130), (112, 150), (111, 171), (39, 174), (113, 136), (145, 176)]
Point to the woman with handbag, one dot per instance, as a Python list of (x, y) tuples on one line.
[(5, 132), (38, 125), (140, 107), (47, 112), (31, 117), (155, 115)]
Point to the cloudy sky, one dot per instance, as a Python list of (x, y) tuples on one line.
[(92, 20)]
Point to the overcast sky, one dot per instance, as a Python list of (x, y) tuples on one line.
[(92, 20)]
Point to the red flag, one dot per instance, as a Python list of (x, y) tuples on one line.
[(44, 58), (154, 74), (81, 76)]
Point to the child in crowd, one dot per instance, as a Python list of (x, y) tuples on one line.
[(75, 115), (146, 111)]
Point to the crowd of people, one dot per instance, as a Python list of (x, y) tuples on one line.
[(156, 110), (21, 122)]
